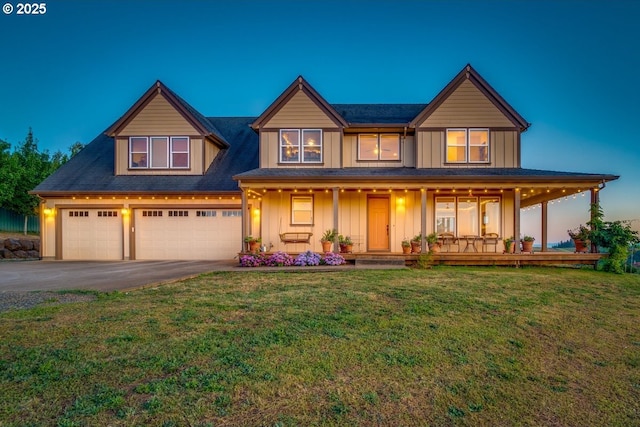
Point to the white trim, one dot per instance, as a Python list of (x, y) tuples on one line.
[(478, 145), (152, 152), (303, 145), (131, 152), (378, 137), (281, 146), (447, 145), (172, 152)]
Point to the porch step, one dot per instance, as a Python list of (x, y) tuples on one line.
[(380, 262)]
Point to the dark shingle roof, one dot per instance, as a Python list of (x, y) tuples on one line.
[(422, 174), (378, 113), (92, 169)]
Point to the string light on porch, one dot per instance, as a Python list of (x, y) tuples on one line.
[(359, 190)]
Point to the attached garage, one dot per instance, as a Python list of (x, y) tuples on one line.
[(92, 234), (187, 234)]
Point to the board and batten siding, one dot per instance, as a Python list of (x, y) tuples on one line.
[(467, 106), (350, 154), (300, 112), (503, 150), (270, 150), (198, 163)]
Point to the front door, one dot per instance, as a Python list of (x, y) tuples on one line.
[(378, 223)]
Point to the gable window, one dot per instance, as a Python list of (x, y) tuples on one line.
[(301, 210), (379, 146), (301, 146), (467, 145), (159, 152)]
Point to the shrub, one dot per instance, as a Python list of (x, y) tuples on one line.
[(279, 259), (307, 258), (252, 260), (331, 258)]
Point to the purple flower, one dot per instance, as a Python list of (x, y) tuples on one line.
[(279, 259), (331, 258), (307, 258), (252, 260)]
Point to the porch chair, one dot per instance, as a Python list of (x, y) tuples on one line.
[(490, 239), (448, 239)]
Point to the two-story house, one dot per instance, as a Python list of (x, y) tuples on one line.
[(166, 182)]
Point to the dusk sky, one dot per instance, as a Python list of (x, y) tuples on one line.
[(570, 68)]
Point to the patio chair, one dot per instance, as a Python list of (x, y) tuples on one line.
[(448, 239), (490, 239)]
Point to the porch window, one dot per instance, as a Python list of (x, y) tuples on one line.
[(464, 216), (301, 146), (301, 210), (467, 145), (159, 152), (382, 146)]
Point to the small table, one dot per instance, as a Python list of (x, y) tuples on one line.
[(470, 243)]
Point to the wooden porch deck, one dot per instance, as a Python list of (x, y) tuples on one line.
[(482, 258)]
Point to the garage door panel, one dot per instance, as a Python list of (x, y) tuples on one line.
[(91, 234), (189, 234)]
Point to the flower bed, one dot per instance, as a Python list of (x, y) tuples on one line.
[(283, 259)]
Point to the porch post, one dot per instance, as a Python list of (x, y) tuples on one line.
[(544, 226), (423, 219), (516, 219), (595, 199), (336, 193), (245, 218)]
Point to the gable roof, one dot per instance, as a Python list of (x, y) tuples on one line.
[(299, 84), (367, 114), (191, 115), (469, 73), (91, 170)]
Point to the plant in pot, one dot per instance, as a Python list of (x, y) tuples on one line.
[(346, 244), (406, 246), (580, 236), (434, 244), (416, 244), (527, 243), (254, 243), (327, 239), (509, 247)]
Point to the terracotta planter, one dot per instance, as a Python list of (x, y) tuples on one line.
[(254, 246), (581, 245), (326, 246), (406, 250), (527, 246), (346, 248), (511, 249), (416, 247), (434, 247)]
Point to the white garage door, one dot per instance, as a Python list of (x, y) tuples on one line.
[(91, 234), (187, 234)]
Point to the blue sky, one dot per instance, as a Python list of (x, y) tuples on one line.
[(569, 67)]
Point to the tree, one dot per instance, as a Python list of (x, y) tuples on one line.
[(23, 170)]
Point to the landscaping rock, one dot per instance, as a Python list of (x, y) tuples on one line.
[(12, 244), (27, 245), (36, 245), (7, 254), (20, 253), (33, 254)]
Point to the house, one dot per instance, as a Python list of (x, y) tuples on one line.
[(166, 182)]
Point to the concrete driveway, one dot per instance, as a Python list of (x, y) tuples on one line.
[(99, 275)]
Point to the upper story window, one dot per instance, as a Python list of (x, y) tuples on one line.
[(467, 145), (159, 152), (301, 146), (379, 146)]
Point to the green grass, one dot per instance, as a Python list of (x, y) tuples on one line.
[(447, 346)]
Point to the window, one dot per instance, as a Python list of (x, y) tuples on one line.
[(234, 213), (464, 216), (159, 152), (383, 146), (107, 213), (467, 145), (301, 210), (151, 213), (178, 213), (294, 149), (206, 213), (79, 213)]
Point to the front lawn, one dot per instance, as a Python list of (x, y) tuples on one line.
[(448, 346)]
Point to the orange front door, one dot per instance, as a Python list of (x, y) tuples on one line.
[(378, 223)]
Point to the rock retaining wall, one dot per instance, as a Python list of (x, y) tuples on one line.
[(20, 249)]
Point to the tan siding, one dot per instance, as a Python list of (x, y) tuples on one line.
[(508, 225), (467, 107), (211, 151), (300, 112), (430, 146), (159, 118)]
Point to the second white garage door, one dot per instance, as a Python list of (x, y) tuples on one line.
[(187, 234), (91, 234)]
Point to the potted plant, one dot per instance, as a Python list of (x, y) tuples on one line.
[(580, 236), (434, 244), (416, 244), (254, 243), (406, 246), (327, 239), (527, 243), (346, 244), (509, 247)]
